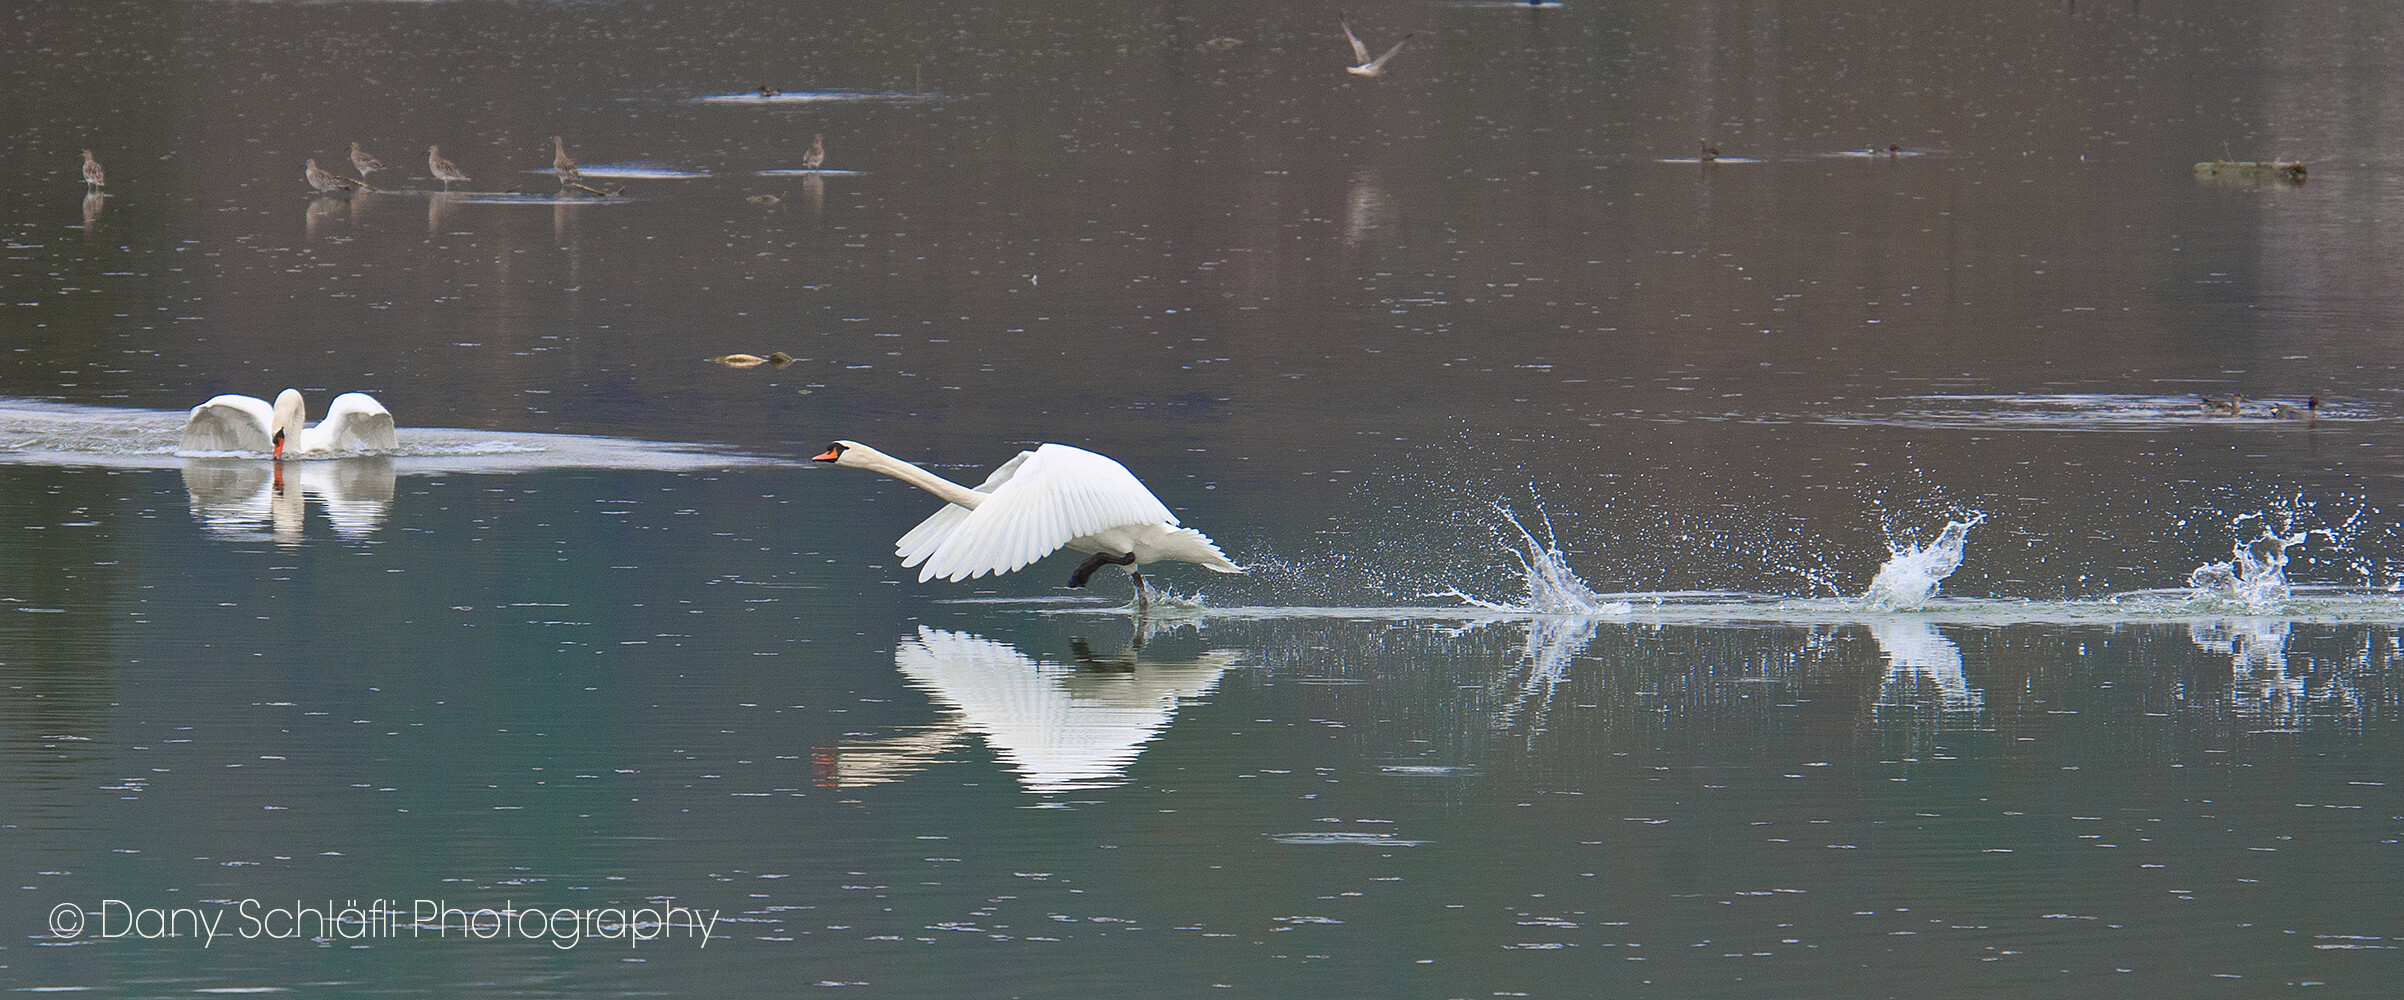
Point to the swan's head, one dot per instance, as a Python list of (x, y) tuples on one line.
[(290, 415), (851, 453)]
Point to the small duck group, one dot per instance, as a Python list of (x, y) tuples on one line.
[(2234, 406)]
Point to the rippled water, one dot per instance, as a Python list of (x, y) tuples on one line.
[(1808, 573)]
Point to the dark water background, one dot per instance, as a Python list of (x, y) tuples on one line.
[(1333, 322)]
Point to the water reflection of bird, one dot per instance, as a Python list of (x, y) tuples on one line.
[(93, 176), (354, 422), (321, 180), (1054, 497), (1365, 66), (561, 165), (1058, 727), (364, 163), (2284, 410), (442, 169), (92, 203), (236, 499), (817, 154), (2214, 406), (1709, 152)]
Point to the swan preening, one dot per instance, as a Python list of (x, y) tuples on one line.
[(354, 422), (1054, 497)]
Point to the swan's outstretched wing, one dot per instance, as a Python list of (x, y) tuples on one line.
[(1360, 51), (1057, 493), (354, 422), (921, 542), (229, 423)]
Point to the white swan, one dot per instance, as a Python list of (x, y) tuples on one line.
[(355, 422), (1042, 501)]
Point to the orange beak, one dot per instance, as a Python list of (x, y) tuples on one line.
[(279, 446), (829, 455)]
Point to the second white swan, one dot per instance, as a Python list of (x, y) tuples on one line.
[(354, 422), (1054, 497)]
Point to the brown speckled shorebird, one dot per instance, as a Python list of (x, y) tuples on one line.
[(93, 176), (364, 163), (817, 154), (324, 181), (442, 169), (561, 165)]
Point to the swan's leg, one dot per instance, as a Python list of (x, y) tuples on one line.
[(1096, 561)]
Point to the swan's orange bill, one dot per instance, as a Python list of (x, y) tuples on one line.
[(829, 455)]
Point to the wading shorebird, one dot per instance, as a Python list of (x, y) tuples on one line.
[(1709, 152), (322, 180), (93, 176), (817, 154), (561, 165), (1054, 497), (442, 169), (1366, 66), (364, 163)]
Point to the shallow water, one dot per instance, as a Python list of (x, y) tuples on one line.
[(1810, 573)]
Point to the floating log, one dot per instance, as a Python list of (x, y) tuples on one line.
[(2290, 171)]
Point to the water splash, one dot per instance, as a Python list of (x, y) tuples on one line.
[(2254, 575), (1549, 585), (1912, 572)]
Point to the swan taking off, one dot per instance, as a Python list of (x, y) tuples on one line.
[(355, 422), (1042, 501)]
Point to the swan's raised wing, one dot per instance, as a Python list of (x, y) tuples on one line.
[(354, 422), (229, 423), (1360, 51), (922, 541), (1057, 493)]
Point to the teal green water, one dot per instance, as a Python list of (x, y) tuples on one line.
[(596, 656)]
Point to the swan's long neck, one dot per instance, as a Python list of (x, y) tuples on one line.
[(877, 461)]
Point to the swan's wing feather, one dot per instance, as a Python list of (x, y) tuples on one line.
[(1058, 493), (922, 541), (1360, 50), (229, 423), (356, 422)]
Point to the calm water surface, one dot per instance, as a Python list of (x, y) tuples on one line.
[(1604, 635)]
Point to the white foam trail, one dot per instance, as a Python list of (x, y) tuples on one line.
[(1912, 572), (2255, 574)]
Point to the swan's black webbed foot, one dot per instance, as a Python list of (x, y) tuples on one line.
[(1096, 561)]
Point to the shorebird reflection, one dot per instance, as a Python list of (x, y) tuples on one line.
[(1060, 727), (249, 500)]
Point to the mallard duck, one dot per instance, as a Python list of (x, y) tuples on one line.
[(2216, 407)]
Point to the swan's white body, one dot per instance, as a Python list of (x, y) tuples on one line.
[(1040, 502), (1360, 51), (355, 422)]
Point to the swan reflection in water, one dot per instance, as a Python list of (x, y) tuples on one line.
[(1060, 727), (247, 500)]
